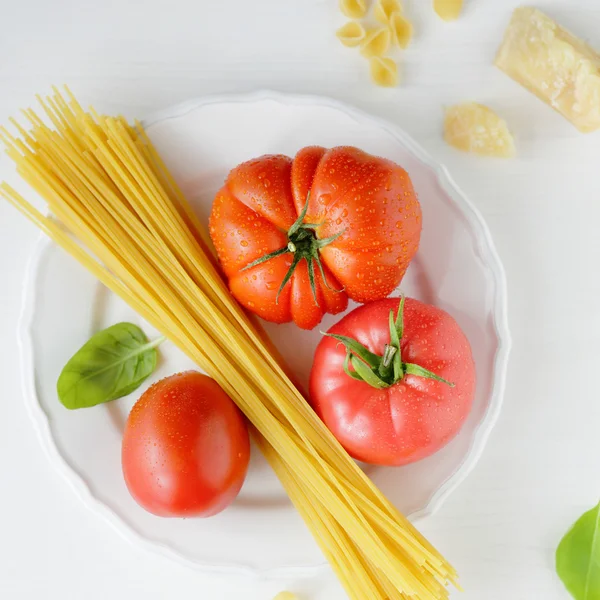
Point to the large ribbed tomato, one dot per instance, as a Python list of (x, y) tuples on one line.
[(297, 237), (393, 390)]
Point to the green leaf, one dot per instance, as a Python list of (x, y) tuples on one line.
[(411, 369), (578, 557), (320, 265), (398, 372), (358, 349), (311, 279), (298, 223), (266, 257), (288, 275), (347, 370), (111, 364), (400, 317), (326, 241), (394, 337), (367, 374)]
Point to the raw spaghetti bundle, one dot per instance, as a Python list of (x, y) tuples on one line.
[(116, 209)]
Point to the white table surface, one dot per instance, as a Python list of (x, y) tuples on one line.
[(541, 469)]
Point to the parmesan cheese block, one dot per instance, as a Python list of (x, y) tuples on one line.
[(559, 68)]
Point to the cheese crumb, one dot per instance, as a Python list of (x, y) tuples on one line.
[(475, 128)]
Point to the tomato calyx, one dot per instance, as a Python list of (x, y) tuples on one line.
[(304, 244), (382, 371)]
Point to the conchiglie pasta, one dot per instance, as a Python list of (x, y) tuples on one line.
[(376, 42), (402, 30), (385, 8), (351, 34), (448, 10), (354, 9), (384, 71)]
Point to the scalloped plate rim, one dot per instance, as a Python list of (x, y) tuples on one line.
[(481, 432)]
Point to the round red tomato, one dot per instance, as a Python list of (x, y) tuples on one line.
[(185, 448), (393, 389), (297, 237)]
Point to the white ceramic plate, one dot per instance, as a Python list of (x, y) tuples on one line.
[(456, 268)]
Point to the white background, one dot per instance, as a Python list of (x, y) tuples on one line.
[(541, 469)]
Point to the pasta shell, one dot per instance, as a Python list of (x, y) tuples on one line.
[(448, 10), (402, 30), (385, 8), (384, 71), (354, 9), (376, 42), (351, 34)]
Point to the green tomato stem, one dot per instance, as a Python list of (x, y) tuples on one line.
[(386, 370), (303, 244)]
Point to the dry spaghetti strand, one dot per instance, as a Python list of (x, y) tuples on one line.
[(119, 212)]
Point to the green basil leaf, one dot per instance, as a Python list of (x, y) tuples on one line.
[(578, 557), (111, 364)]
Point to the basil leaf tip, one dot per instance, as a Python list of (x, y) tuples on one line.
[(111, 364), (578, 557)]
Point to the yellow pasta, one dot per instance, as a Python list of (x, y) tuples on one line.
[(448, 10), (131, 227), (354, 9), (376, 42), (384, 71), (384, 9), (351, 34), (402, 30)]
